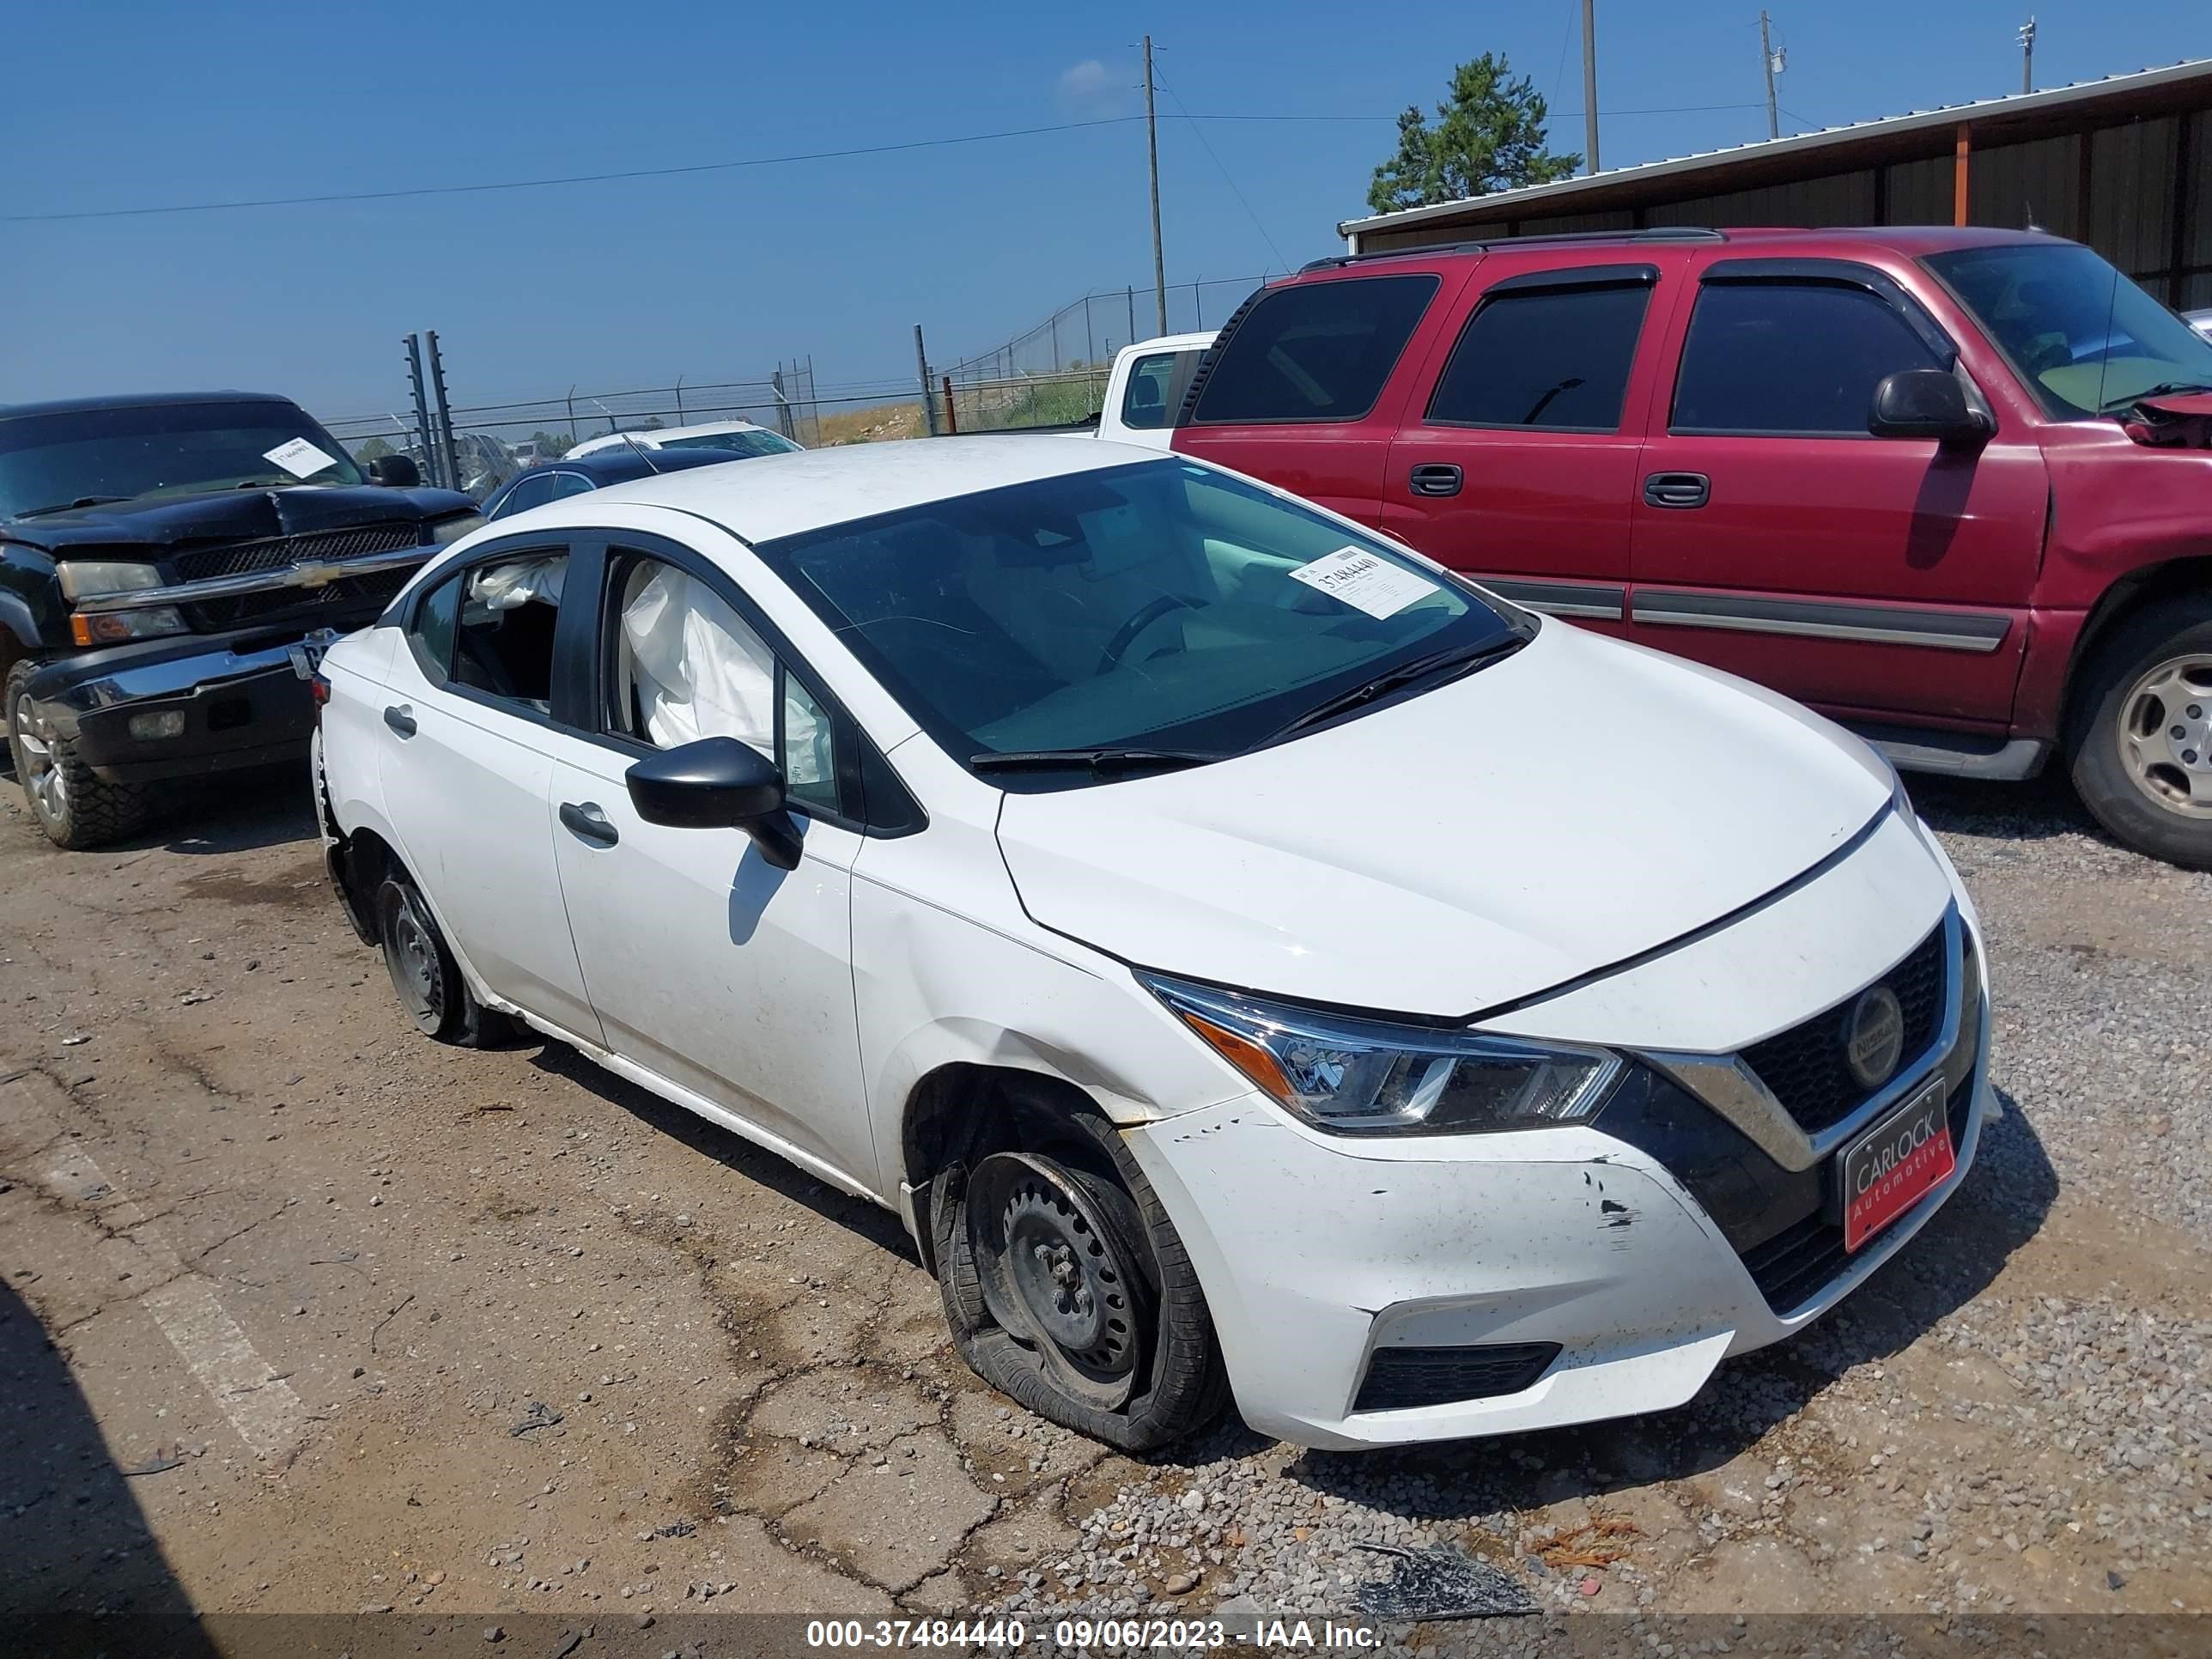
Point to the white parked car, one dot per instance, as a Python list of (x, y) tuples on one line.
[(1145, 389), (1250, 957), (739, 437)]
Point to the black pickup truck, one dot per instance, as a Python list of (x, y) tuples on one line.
[(160, 557)]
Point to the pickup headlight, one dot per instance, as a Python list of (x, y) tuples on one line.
[(1362, 1077), (82, 578), (452, 530)]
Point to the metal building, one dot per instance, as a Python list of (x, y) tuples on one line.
[(2123, 164)]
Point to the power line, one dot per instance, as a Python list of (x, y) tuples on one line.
[(419, 190), (1200, 132)]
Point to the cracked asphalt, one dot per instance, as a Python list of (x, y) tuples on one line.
[(302, 1313)]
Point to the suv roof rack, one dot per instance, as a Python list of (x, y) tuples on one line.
[(1558, 237)]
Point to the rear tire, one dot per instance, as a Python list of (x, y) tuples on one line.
[(426, 979), (2141, 740), (75, 809), (1066, 1287)]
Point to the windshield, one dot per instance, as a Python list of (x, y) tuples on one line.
[(2086, 339), (744, 445), (97, 455), (1163, 604)]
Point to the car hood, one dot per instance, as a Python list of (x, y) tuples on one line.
[(233, 515), (1580, 803)]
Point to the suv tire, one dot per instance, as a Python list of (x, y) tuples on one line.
[(2139, 743), (75, 809)]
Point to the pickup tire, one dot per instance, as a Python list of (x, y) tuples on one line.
[(2140, 742), (75, 809)]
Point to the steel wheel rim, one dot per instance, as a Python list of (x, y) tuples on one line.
[(45, 783), (2166, 734), (1054, 1271), (412, 953)]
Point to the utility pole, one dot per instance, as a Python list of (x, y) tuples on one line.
[(2027, 55), (1152, 153), (1766, 60), (1589, 82)]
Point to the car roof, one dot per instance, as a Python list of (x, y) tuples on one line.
[(138, 400), (768, 497), (1570, 249), (1176, 342)]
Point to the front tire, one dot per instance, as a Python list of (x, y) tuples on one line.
[(425, 976), (75, 809), (1066, 1287), (2142, 740)]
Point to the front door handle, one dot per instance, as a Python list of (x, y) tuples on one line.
[(1436, 478), (585, 820), (401, 719), (1678, 489)]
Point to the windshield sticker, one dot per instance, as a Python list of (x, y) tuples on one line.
[(300, 457), (1365, 581)]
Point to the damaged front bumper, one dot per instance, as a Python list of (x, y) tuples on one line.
[(1565, 1273)]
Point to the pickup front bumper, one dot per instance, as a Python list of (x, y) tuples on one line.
[(177, 708)]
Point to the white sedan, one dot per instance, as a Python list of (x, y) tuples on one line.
[(739, 438), (1251, 958)]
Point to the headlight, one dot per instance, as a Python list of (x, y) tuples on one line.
[(1362, 1077), (81, 578), (452, 530)]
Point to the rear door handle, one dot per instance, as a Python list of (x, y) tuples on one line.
[(585, 820), (401, 719), (1678, 489), (1436, 478)]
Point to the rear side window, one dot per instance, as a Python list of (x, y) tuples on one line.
[(1789, 358), (1320, 352), (1544, 358), (1153, 392)]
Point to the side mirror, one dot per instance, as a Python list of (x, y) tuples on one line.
[(1927, 403), (717, 783), (395, 471)]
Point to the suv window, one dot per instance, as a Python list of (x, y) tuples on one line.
[(685, 665), (1318, 352), (526, 494), (509, 611), (1556, 357), (1789, 358)]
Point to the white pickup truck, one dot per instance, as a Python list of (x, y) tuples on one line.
[(1146, 386)]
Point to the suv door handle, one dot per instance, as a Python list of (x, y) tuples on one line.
[(1678, 489), (401, 719), (1434, 478), (586, 820)]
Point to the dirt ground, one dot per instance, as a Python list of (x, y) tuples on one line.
[(300, 1312)]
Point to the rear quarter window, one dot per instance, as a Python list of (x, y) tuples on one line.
[(1322, 351)]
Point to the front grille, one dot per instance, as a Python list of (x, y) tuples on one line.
[(316, 547), (1797, 1264), (1400, 1379), (313, 605), (1806, 1066)]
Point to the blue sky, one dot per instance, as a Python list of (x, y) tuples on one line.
[(719, 275)]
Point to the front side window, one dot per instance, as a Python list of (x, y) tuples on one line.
[(1317, 352), (528, 492), (90, 457), (1789, 358), (2086, 339), (685, 665), (1544, 358), (1145, 401), (1162, 604), (510, 609)]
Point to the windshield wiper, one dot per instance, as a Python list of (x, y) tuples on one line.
[(2163, 389), (1095, 760), (72, 507), (1462, 657)]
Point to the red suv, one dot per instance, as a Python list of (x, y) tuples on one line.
[(1951, 487)]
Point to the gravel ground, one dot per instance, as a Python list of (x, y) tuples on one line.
[(549, 1345)]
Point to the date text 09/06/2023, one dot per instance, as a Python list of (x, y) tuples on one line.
[(1123, 1634)]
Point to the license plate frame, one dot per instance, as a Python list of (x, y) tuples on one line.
[(1893, 1165)]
